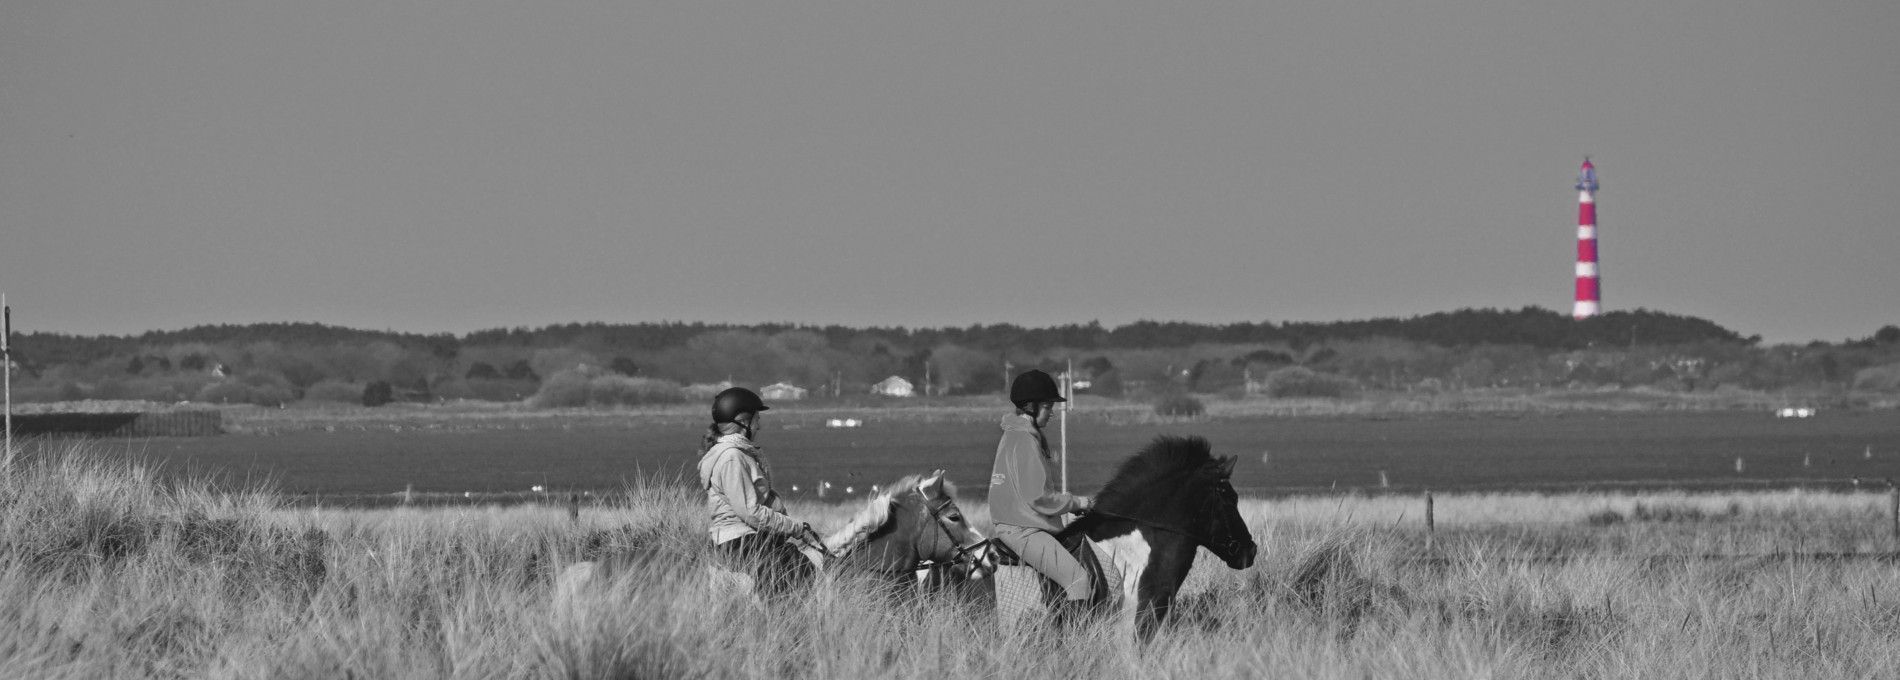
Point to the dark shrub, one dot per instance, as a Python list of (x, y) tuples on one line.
[(482, 371), (624, 366), (378, 393), (1180, 405)]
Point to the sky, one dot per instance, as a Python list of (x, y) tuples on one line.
[(455, 166)]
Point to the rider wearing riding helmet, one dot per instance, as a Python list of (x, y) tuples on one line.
[(750, 531), (1026, 511)]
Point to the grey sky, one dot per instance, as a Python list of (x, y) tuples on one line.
[(451, 166)]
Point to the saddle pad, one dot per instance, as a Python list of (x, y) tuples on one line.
[(1018, 596), (1022, 593), (1108, 578), (1108, 588)]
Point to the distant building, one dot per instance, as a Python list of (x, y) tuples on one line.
[(894, 386), (782, 391)]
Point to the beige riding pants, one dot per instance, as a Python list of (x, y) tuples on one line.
[(1041, 551)]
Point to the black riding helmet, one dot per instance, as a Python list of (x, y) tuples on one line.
[(1034, 385), (736, 400)]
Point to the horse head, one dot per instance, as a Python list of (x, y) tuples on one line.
[(1177, 484), (1221, 529), (917, 523), (954, 541)]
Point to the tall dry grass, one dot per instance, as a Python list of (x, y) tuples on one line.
[(109, 570)]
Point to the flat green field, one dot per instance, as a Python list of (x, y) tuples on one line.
[(370, 456)]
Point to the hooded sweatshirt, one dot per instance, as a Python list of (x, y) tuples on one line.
[(739, 492), (1019, 483)]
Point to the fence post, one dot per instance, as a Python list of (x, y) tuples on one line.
[(1893, 496), (573, 507), (408, 491), (1431, 529)]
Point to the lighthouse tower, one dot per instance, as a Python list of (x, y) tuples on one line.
[(1589, 288)]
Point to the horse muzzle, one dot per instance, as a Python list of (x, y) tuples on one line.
[(981, 561), (1239, 554)]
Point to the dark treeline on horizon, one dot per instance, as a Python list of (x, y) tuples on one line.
[(601, 364), (1530, 326)]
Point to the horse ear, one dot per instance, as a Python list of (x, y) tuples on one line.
[(1227, 465), (933, 485)]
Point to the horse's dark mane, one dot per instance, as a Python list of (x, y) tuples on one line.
[(1161, 462)]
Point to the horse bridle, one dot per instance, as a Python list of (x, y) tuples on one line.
[(965, 553), (1193, 536)]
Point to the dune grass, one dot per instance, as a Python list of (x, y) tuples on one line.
[(109, 570)]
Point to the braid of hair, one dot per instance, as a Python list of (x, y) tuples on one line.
[(714, 432)]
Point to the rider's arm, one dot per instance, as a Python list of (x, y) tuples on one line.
[(1033, 480), (735, 480)]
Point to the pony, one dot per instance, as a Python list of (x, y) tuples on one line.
[(1162, 504), (914, 525)]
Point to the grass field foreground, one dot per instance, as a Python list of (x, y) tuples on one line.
[(108, 570)]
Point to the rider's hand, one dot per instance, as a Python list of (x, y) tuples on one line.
[(1083, 504)]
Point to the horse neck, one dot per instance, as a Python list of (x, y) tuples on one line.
[(1159, 505), (892, 548)]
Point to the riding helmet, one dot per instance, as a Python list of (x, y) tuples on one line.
[(736, 400), (1034, 385)]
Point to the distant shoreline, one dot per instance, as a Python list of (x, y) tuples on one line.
[(467, 415)]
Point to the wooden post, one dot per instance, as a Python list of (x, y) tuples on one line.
[(1066, 396), (1893, 495), (407, 492), (573, 507), (1431, 529), (6, 358)]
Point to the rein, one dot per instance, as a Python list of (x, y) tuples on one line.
[(965, 553), (1198, 540)]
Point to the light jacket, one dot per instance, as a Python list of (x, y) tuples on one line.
[(1019, 482), (739, 492)]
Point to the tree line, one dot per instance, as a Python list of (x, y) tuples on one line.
[(592, 363)]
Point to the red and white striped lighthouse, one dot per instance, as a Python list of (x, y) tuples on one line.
[(1589, 290)]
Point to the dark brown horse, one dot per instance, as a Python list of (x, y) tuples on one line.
[(1162, 505)]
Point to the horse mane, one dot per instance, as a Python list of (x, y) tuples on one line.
[(1156, 469), (875, 515)]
